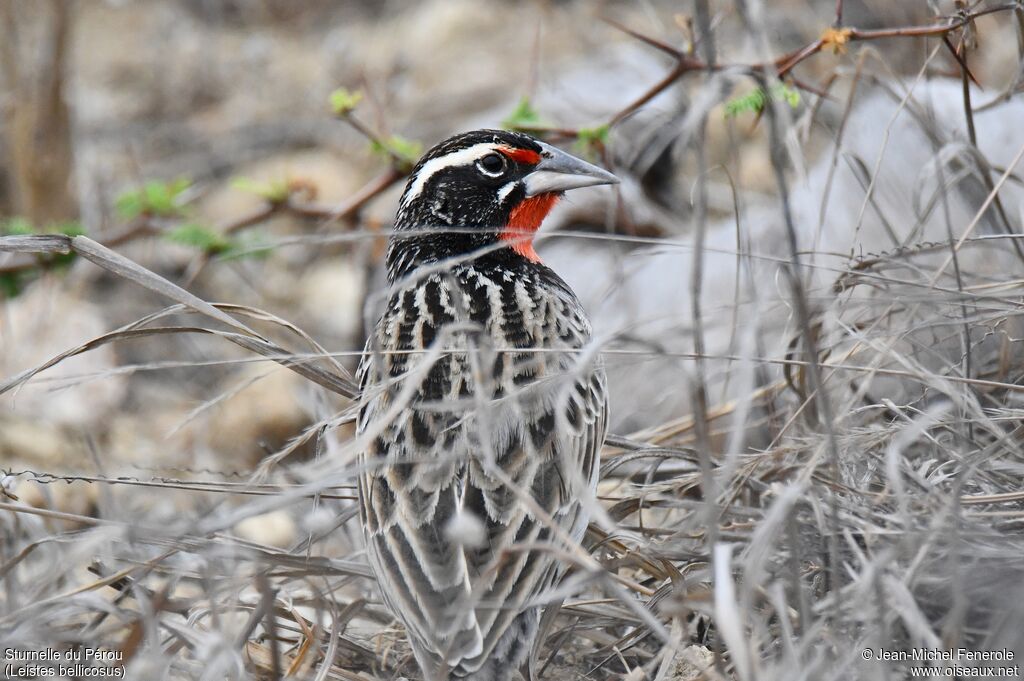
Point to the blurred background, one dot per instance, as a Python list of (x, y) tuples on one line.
[(253, 152)]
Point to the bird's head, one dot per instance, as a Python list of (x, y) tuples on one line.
[(493, 186)]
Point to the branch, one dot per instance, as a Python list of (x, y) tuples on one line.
[(146, 226), (782, 65)]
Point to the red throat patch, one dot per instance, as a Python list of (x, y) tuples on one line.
[(525, 221)]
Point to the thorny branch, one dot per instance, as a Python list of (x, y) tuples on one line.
[(835, 38)]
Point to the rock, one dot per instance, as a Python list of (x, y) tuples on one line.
[(37, 444), (272, 529), (693, 664), (331, 293)]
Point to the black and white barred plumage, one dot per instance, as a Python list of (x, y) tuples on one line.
[(484, 420)]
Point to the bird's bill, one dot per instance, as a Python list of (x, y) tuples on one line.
[(559, 172)]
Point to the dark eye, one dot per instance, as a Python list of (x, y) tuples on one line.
[(492, 164)]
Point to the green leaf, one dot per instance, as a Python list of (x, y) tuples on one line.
[(791, 96), (67, 228), (344, 101), (16, 226), (590, 140), (274, 192), (12, 283), (754, 102), (523, 116), (129, 204), (199, 237), (594, 135), (155, 198), (405, 150)]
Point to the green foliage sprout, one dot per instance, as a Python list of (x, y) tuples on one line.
[(405, 151), (200, 237), (12, 283), (16, 226), (214, 243), (273, 192), (523, 117), (590, 140), (755, 101), (155, 198), (343, 101)]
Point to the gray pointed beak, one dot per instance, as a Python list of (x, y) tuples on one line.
[(559, 172)]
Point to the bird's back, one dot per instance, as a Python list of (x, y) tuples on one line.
[(483, 424)]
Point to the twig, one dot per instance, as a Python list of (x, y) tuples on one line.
[(782, 65), (147, 226)]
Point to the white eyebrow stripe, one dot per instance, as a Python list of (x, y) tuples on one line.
[(456, 158)]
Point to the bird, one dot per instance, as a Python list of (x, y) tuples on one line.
[(482, 414)]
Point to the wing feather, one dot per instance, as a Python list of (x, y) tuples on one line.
[(542, 428)]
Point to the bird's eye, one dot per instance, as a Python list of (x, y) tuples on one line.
[(492, 164)]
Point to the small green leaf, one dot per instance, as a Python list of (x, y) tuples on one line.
[(274, 192), (67, 228), (344, 101), (524, 116), (791, 96), (129, 204), (16, 226), (405, 150), (593, 135), (155, 198), (754, 102), (590, 140), (199, 237), (12, 283)]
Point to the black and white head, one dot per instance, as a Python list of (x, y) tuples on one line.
[(493, 186)]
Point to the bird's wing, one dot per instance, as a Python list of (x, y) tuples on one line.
[(409, 491), (411, 470), (439, 449), (557, 471)]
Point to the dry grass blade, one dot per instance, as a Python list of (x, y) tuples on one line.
[(123, 267), (333, 382), (35, 243), (339, 382)]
